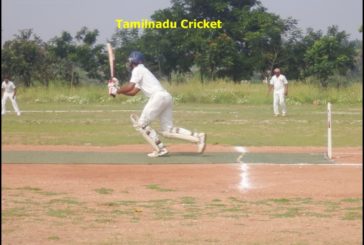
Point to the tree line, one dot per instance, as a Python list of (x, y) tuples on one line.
[(251, 41)]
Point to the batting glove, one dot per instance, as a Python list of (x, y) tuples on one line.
[(113, 86)]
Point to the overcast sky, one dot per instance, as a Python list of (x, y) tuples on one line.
[(48, 18)]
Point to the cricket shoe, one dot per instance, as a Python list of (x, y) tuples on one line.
[(201, 145), (161, 152)]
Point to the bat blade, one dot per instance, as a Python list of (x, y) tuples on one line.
[(111, 59)]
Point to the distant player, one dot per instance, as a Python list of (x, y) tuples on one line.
[(159, 106), (8, 91), (279, 84)]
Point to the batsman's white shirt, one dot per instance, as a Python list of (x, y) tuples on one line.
[(8, 87), (145, 81), (160, 102), (278, 82)]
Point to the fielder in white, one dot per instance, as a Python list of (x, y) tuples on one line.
[(159, 106), (8, 91), (279, 84)]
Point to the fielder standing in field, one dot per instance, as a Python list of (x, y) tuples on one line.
[(279, 84), (8, 91), (159, 106)]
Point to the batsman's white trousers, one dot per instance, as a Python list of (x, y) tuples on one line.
[(160, 106), (7, 96), (279, 100)]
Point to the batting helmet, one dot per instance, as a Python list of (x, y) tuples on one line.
[(136, 57)]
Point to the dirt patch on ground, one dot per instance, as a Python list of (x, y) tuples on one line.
[(181, 204)]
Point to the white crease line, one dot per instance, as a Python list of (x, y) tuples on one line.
[(244, 177), (244, 183), (240, 149)]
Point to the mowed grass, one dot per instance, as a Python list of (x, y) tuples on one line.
[(231, 124)]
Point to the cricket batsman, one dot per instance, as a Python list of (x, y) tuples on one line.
[(159, 106)]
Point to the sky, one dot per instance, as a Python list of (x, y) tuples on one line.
[(320, 14), (48, 18)]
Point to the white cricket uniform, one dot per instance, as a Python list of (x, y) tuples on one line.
[(160, 102), (278, 93), (9, 89)]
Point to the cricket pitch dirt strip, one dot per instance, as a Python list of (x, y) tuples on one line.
[(199, 203)]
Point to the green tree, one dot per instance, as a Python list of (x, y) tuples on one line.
[(23, 57), (292, 58), (86, 36), (62, 49), (79, 54), (89, 56), (170, 50), (329, 54), (359, 58), (249, 40)]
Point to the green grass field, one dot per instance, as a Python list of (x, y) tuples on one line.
[(233, 114), (193, 92), (246, 125)]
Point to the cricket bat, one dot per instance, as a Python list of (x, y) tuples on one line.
[(113, 82), (111, 60)]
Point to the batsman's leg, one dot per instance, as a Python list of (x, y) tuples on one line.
[(152, 110), (150, 135), (187, 135), (180, 133)]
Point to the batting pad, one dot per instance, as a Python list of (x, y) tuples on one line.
[(189, 138), (143, 131)]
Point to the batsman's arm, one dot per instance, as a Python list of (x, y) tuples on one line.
[(128, 89)]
